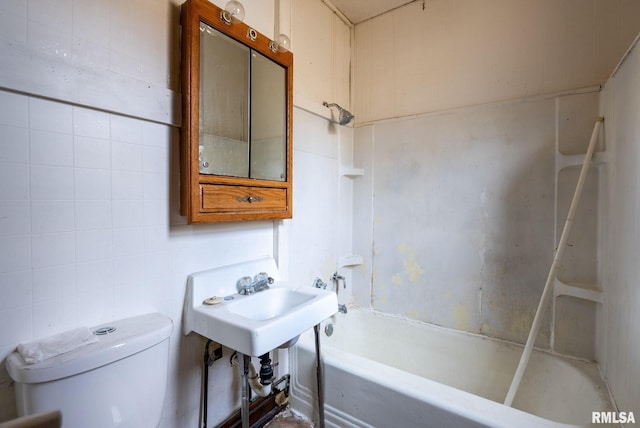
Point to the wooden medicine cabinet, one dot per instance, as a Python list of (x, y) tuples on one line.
[(236, 145)]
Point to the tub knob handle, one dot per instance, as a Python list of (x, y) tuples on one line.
[(318, 283)]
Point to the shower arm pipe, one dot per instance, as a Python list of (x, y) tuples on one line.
[(344, 115), (533, 333)]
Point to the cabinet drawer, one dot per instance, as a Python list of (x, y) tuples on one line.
[(229, 199)]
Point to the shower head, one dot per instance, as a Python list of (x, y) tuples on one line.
[(344, 116)]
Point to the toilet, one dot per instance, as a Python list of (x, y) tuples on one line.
[(118, 381)]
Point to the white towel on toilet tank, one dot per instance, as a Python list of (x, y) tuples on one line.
[(42, 349)]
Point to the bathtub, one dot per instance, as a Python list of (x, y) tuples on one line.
[(384, 371)]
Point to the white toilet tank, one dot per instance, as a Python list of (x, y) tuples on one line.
[(119, 381)]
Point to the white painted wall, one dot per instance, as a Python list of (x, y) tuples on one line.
[(441, 54), (89, 217), (620, 104), (325, 43)]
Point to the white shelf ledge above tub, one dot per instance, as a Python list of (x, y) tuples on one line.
[(351, 172), (568, 161), (582, 291), (350, 260)]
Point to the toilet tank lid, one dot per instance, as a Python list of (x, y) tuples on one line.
[(130, 336)]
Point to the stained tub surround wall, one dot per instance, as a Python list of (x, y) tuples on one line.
[(89, 155), (467, 116), (463, 215)]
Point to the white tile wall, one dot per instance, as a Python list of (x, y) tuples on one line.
[(13, 21), (12, 218), (86, 234), (13, 110), (86, 242), (16, 144), (50, 116), (54, 282), (16, 289), (15, 253), (89, 223)]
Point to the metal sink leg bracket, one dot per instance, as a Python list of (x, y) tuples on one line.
[(319, 378), (245, 360)]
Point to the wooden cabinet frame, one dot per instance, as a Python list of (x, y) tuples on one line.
[(216, 198)]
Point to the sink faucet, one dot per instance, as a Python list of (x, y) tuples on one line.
[(259, 283)]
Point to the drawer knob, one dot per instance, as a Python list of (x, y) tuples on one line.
[(250, 199)]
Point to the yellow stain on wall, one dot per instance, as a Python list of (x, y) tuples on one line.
[(412, 269), (377, 282), (396, 279), (520, 326), (485, 329), (382, 299), (461, 318), (413, 314)]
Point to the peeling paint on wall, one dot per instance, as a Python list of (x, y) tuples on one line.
[(382, 298), (412, 269), (413, 314), (485, 329), (467, 223), (461, 318), (521, 324)]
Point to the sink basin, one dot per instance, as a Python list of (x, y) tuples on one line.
[(269, 304), (258, 323)]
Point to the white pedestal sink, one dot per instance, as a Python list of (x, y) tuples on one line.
[(257, 323)]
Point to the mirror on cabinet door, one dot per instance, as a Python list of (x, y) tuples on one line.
[(268, 127), (236, 148)]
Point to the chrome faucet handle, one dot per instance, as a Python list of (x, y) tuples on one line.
[(318, 283), (262, 281), (336, 278), (245, 286), (260, 276)]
